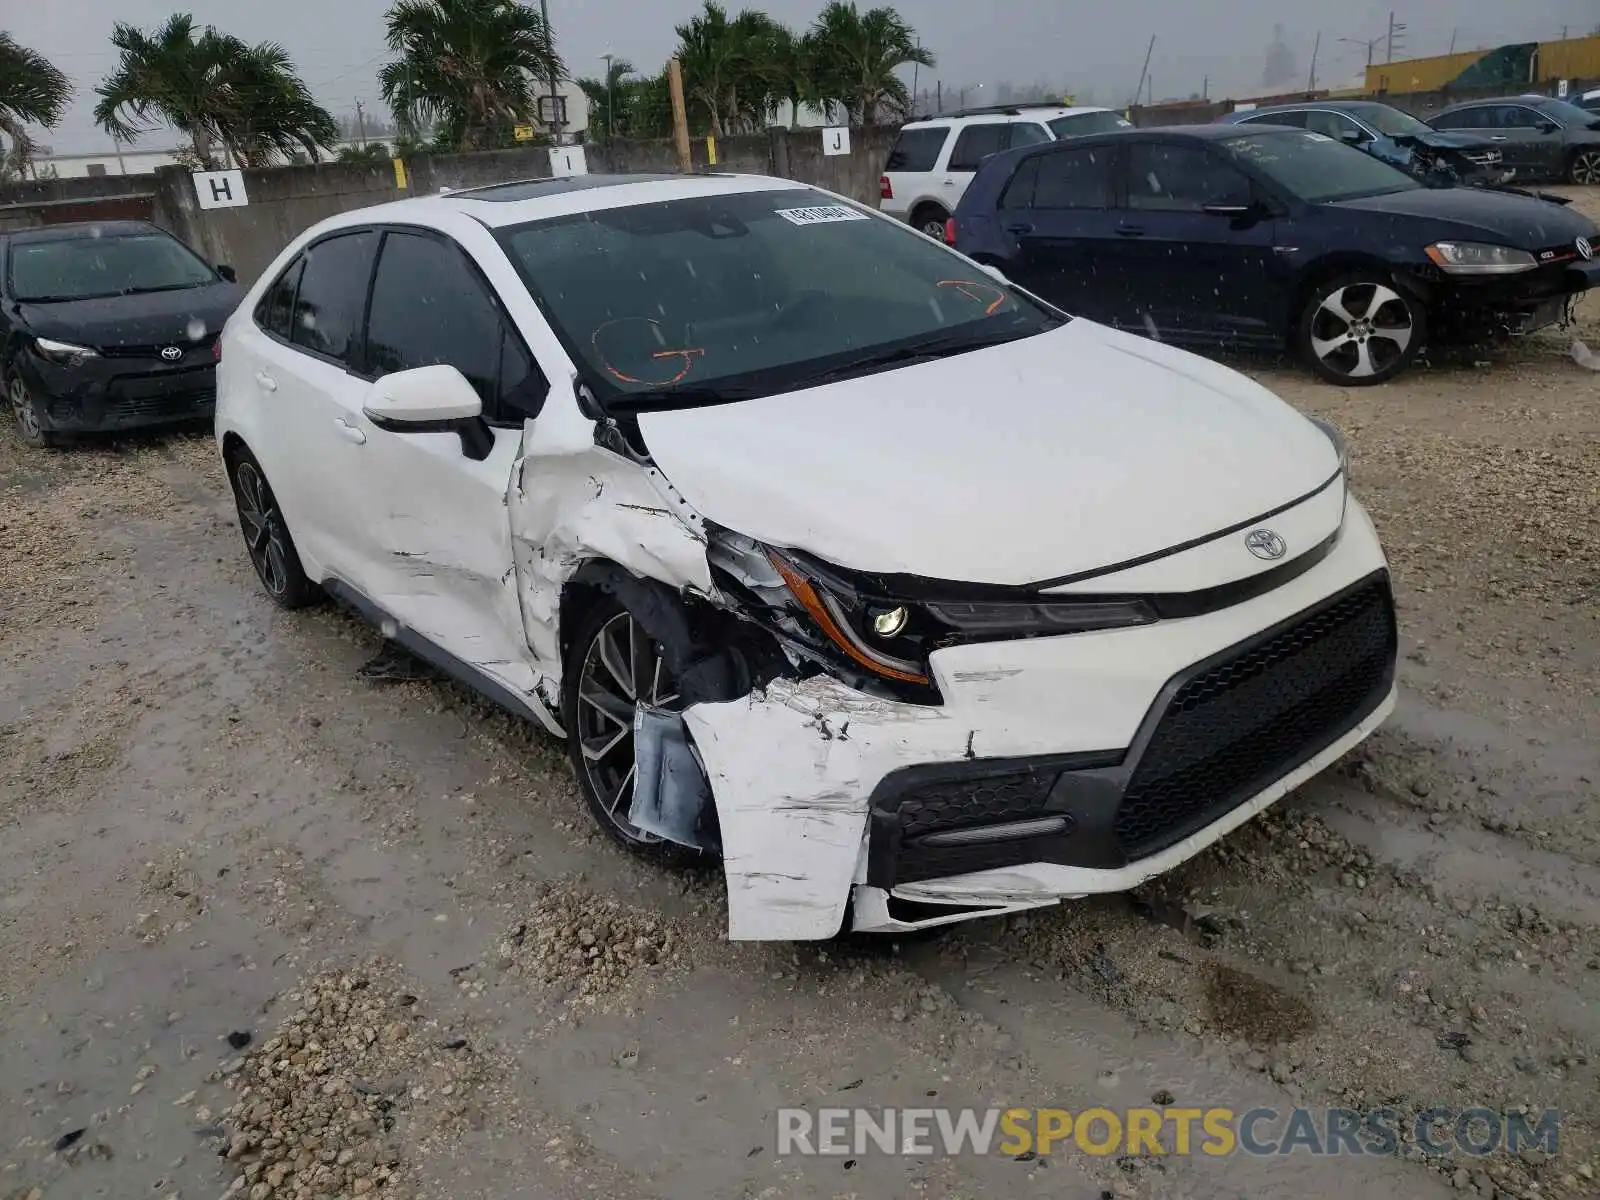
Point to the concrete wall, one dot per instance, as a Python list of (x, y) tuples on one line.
[(285, 201)]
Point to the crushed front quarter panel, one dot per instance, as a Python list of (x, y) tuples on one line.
[(571, 503)]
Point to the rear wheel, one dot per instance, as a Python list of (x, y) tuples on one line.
[(1585, 167), (25, 411), (1359, 329), (930, 219), (266, 537)]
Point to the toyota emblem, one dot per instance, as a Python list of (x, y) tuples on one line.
[(1585, 250), (1263, 543), (171, 353)]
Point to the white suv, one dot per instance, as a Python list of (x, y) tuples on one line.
[(833, 557), (933, 161)]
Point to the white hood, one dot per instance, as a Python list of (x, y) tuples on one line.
[(1058, 454)]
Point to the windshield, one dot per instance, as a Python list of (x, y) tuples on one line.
[(1570, 114), (1083, 124), (1391, 122), (717, 298), (87, 268), (1316, 168)]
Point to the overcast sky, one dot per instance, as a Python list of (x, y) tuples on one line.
[(1100, 44)]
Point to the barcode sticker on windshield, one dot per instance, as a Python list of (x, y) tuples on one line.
[(825, 214)]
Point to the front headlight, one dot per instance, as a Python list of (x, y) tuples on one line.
[(65, 353), (1479, 258), (893, 638)]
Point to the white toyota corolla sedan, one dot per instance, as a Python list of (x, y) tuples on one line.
[(833, 556)]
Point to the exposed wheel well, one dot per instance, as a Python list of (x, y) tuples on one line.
[(232, 444), (1328, 268), (927, 208)]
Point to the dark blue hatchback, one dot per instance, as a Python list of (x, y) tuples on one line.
[(1231, 235)]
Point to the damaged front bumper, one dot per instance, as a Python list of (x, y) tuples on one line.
[(1055, 767)]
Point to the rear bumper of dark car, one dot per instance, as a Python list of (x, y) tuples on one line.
[(108, 395)]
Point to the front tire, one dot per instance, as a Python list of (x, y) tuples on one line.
[(1359, 329), (611, 664), (1585, 167), (25, 412), (266, 537)]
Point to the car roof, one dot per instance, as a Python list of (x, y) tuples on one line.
[(1529, 101), (1354, 106), (73, 230), (518, 201), (1046, 112)]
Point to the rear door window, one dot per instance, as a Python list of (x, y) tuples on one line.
[(1063, 179), (1028, 133), (976, 143), (1335, 125), (1295, 120), (275, 313), (332, 297), (917, 150)]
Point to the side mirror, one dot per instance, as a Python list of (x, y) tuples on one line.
[(436, 399), (1352, 137), (227, 272), (1230, 208), (1547, 126)]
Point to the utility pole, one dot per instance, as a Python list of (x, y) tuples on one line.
[(1397, 32), (1144, 70), (1205, 88), (914, 67), (1311, 84), (361, 125), (611, 108), (938, 97), (555, 104), (680, 116)]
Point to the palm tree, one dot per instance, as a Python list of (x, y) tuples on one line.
[(215, 88), (794, 68), (32, 91), (730, 68), (471, 68), (608, 101), (858, 55)]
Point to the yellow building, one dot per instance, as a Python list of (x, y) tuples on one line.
[(1512, 66)]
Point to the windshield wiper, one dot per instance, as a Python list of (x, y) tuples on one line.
[(932, 348), (164, 287)]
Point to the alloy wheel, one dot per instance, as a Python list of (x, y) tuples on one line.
[(262, 526), (934, 229), (22, 407), (622, 666), (1586, 167), (1361, 329)]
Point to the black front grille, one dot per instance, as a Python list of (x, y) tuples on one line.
[(1247, 719), (193, 352), (171, 404)]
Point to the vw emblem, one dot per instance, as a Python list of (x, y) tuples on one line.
[(171, 353), (1263, 543), (1585, 250)]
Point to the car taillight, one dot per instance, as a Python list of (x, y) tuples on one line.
[(216, 351), (950, 232), (885, 188)]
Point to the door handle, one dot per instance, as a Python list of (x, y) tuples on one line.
[(1499, 137), (267, 382), (349, 432), (949, 183), (1130, 230), (1019, 227)]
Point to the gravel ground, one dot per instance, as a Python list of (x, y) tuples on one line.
[(269, 929)]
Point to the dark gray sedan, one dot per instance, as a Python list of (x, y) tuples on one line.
[(1541, 138)]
